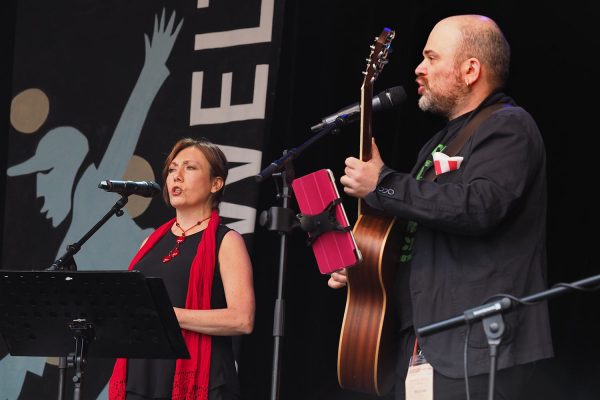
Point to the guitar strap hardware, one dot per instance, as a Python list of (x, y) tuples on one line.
[(325, 221)]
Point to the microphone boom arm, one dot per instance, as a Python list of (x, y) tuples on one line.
[(291, 154), (66, 262)]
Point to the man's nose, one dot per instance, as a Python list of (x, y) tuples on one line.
[(420, 69)]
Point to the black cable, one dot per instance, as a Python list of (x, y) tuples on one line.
[(577, 287), (529, 303), (511, 297), (493, 363), (465, 361)]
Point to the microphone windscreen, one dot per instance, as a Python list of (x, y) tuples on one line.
[(392, 97)]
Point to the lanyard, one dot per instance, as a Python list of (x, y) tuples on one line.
[(416, 352)]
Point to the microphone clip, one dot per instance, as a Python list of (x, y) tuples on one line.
[(341, 120)]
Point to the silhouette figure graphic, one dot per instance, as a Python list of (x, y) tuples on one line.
[(115, 243)]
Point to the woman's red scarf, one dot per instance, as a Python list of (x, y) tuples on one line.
[(191, 375)]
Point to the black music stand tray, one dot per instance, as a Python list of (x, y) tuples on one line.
[(79, 314)]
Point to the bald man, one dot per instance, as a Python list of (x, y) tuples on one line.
[(475, 206)]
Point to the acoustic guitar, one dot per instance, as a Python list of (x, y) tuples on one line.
[(367, 349)]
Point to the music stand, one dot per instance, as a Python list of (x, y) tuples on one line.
[(103, 314)]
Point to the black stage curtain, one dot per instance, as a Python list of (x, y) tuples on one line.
[(320, 60)]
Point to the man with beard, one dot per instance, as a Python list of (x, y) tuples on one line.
[(476, 221)]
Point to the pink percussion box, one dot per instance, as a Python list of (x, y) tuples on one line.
[(332, 240)]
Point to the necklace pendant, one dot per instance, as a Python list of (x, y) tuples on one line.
[(180, 239)]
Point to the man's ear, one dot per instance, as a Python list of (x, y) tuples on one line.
[(471, 69)]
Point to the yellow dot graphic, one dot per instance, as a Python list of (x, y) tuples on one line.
[(138, 169), (29, 110)]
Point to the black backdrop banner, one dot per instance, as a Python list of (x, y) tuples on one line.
[(102, 90)]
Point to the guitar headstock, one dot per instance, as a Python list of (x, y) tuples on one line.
[(375, 62), (378, 57)]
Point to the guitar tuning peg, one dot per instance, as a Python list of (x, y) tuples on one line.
[(364, 73), (372, 47)]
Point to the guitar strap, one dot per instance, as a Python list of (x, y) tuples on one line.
[(465, 133)]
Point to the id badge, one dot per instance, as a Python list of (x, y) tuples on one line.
[(419, 379)]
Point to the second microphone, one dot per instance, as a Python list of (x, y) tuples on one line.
[(385, 100)]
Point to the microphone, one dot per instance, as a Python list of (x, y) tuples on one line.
[(126, 188), (383, 101)]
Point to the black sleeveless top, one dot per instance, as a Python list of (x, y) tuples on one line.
[(151, 378)]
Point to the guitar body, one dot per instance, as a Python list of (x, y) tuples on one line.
[(367, 348)]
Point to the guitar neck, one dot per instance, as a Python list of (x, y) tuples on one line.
[(366, 108), (376, 61)]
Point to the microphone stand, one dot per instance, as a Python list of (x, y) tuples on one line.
[(493, 323), (283, 220), (67, 263)]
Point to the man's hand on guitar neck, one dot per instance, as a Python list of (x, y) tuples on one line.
[(338, 279), (361, 177)]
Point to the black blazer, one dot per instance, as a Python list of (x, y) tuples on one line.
[(481, 231)]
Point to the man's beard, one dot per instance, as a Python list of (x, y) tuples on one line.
[(444, 101)]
